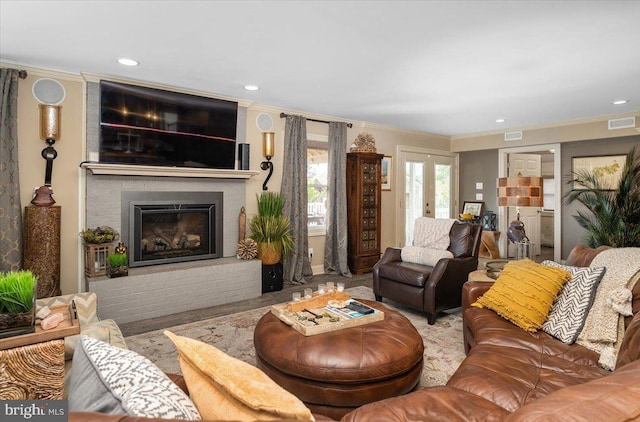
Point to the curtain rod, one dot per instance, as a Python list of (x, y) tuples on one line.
[(283, 115)]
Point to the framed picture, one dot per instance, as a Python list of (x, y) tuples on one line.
[(474, 208), (607, 168), (387, 169)]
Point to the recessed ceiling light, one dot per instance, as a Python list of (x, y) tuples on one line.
[(127, 62), (251, 87), (619, 102), (499, 120)]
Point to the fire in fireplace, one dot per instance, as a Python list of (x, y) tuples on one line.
[(167, 227)]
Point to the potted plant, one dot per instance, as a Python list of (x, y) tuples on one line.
[(17, 302), (613, 215), (118, 262), (270, 229)]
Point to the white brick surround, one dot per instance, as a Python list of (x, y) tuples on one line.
[(166, 289)]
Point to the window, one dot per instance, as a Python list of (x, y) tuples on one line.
[(317, 178)]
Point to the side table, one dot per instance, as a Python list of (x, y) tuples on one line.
[(32, 365), (480, 275)]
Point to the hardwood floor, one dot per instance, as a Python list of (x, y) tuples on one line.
[(267, 299)]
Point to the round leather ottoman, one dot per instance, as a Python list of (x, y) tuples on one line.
[(334, 373)]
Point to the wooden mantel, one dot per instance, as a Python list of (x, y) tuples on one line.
[(137, 170)]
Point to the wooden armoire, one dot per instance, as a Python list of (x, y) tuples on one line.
[(363, 210)]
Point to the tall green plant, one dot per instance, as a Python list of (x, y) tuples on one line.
[(612, 216), (270, 204), (17, 289), (269, 225)]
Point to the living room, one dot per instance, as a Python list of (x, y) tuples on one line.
[(480, 155)]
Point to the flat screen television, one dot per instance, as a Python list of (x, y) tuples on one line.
[(148, 126)]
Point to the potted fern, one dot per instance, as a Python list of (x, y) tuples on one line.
[(17, 302), (612, 217), (270, 229)]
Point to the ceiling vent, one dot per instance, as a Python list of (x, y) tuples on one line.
[(513, 136), (622, 123)]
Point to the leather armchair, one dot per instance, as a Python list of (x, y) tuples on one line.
[(425, 288)]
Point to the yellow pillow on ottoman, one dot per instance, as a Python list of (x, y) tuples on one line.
[(225, 388), (524, 293)]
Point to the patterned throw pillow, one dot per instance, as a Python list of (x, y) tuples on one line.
[(107, 379), (571, 308), (524, 293)]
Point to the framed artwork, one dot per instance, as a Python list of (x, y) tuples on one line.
[(607, 168), (474, 208), (386, 172)]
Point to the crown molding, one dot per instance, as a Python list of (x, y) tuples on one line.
[(575, 122), (42, 72), (96, 78)]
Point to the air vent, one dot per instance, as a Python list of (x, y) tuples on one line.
[(513, 136), (622, 123)]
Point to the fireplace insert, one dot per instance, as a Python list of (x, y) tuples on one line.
[(168, 227)]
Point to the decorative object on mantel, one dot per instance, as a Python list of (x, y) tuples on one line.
[(118, 262), (268, 149), (97, 247), (365, 142), (247, 249), (41, 247), (18, 290)]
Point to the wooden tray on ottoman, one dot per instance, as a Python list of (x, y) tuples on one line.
[(312, 316)]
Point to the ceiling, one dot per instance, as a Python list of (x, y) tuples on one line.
[(449, 68)]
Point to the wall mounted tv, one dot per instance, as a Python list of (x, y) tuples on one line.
[(154, 127)]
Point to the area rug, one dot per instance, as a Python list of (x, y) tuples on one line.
[(443, 345)]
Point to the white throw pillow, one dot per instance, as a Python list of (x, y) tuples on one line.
[(424, 256), (107, 379)]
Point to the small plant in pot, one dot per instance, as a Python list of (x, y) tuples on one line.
[(17, 302), (118, 265), (270, 229)]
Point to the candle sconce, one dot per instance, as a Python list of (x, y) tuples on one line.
[(268, 139)]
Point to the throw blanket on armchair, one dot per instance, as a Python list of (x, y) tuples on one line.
[(424, 256), (604, 327), (432, 233)]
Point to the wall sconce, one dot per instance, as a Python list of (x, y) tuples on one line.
[(520, 191), (49, 93), (50, 132), (268, 148)]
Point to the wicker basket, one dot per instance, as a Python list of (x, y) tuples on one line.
[(33, 372)]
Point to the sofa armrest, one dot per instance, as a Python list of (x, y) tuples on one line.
[(472, 290)]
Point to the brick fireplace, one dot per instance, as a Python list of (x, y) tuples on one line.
[(190, 278)]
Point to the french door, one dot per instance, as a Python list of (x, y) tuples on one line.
[(428, 187)]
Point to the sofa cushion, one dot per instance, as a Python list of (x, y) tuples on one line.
[(524, 293), (615, 397), (226, 388), (107, 379), (570, 309), (516, 371), (405, 272)]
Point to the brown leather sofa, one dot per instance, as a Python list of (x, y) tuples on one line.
[(425, 288), (510, 375), (513, 375)]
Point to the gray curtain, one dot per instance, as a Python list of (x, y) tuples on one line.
[(335, 246), (297, 268), (11, 209)]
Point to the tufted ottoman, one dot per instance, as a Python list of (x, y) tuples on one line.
[(336, 372)]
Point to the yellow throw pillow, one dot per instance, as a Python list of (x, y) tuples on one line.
[(524, 293), (225, 388)]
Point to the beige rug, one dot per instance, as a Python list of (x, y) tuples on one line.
[(233, 334)]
